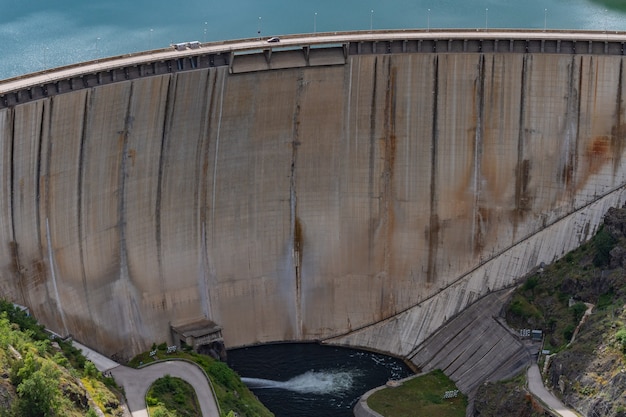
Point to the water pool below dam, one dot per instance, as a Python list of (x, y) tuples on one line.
[(363, 200), (311, 379)]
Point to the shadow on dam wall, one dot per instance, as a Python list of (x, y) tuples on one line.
[(364, 203)]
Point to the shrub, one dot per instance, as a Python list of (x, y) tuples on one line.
[(90, 369), (39, 393), (620, 336), (603, 243), (568, 332), (531, 283), (521, 308), (578, 310)]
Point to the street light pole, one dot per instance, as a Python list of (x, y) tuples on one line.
[(428, 21), (259, 28), (545, 19), (371, 20), (315, 23), (486, 18)]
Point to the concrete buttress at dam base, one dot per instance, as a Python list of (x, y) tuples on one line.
[(364, 203)]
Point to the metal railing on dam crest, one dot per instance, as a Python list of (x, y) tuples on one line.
[(362, 188)]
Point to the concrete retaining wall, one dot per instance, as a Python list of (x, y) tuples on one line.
[(364, 203)]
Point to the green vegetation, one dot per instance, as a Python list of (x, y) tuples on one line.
[(232, 394), (419, 396), (553, 299), (620, 338), (587, 373), (172, 397), (37, 379)]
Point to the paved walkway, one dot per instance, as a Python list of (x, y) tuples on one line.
[(136, 382), (535, 385)]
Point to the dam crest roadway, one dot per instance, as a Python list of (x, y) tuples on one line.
[(361, 189)]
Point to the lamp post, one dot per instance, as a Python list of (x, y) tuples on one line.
[(97, 52), (428, 30), (150, 46), (315, 23), (205, 30), (371, 20), (486, 18), (259, 28), (545, 19)]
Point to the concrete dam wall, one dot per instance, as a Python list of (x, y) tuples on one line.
[(364, 202)]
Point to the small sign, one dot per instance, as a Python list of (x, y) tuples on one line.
[(524, 332), (153, 352), (172, 349)]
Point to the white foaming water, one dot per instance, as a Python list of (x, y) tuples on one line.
[(311, 382)]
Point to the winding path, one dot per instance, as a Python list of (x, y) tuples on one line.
[(136, 382), (535, 385)]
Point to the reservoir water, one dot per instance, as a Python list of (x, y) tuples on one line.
[(39, 35), (311, 380)]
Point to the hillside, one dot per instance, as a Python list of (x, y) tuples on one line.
[(586, 365), (41, 377)]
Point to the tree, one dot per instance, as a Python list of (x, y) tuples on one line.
[(39, 393), (161, 411)]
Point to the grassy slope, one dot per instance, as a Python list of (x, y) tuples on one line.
[(420, 396)]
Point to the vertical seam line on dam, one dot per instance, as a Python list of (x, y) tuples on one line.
[(167, 119), (79, 198), (620, 129), (216, 159), (477, 221), (520, 170), (295, 226), (372, 149), (433, 228), (389, 120), (42, 130), (13, 239), (47, 182), (203, 164), (578, 116), (121, 201)]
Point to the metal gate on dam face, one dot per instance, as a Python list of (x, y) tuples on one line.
[(366, 200)]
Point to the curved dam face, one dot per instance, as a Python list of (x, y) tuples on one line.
[(365, 202)]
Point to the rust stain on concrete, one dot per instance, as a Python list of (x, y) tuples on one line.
[(388, 201)]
